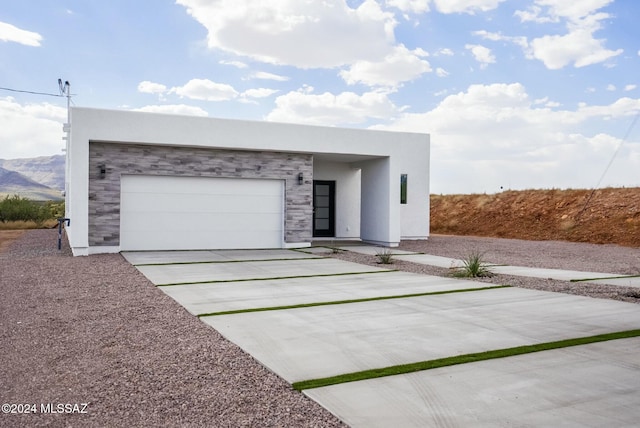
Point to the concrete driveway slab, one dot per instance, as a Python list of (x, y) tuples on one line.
[(218, 297), (592, 385), (240, 271), (157, 257), (308, 343)]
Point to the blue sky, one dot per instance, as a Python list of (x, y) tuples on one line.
[(516, 94)]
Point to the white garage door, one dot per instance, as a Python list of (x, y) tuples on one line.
[(189, 213)]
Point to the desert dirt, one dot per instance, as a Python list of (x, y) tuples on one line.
[(606, 216)]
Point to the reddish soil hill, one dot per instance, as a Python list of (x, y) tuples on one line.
[(608, 216)]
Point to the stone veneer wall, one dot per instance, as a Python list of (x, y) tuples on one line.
[(121, 158)]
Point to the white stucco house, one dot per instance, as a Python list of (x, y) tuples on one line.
[(148, 181)]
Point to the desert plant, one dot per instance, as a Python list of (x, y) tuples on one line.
[(17, 209), (385, 256), (473, 266)]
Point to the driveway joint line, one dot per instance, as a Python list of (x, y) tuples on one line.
[(341, 302), (231, 261), (217, 281), (461, 359)]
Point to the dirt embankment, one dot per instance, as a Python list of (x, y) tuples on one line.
[(611, 216)]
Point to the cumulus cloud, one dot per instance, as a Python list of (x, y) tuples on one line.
[(398, 66), (147, 87), (304, 34), (494, 135), (205, 89), (174, 109), (630, 87), (11, 33), (445, 52), (303, 106), (30, 129), (482, 54), (579, 45)]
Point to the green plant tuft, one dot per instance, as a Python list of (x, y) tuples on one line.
[(385, 256), (473, 267)]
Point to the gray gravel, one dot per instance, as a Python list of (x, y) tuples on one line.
[(94, 330), (544, 254)]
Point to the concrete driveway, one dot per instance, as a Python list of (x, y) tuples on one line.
[(307, 317)]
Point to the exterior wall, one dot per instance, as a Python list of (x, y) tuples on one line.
[(347, 178), (120, 158), (381, 155)]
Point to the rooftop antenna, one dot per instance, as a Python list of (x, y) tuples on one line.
[(65, 89)]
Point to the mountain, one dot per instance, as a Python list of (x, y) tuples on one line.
[(46, 170), (14, 183)]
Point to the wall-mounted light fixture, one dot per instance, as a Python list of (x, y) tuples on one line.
[(103, 170), (300, 178)]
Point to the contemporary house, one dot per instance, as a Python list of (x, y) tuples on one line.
[(148, 181)]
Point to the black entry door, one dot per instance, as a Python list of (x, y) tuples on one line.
[(324, 208)]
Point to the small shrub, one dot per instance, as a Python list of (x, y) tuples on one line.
[(385, 256), (473, 267)]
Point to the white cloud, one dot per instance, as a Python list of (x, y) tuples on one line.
[(31, 129), (269, 76), (441, 72), (466, 6), (147, 87), (412, 6), (303, 106), (399, 66), (305, 34), (174, 109), (482, 54), (205, 89), (611, 87), (579, 46), (11, 33), (630, 87), (445, 52), (496, 37), (237, 64), (495, 135), (259, 93)]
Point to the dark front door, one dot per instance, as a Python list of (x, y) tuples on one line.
[(324, 208)]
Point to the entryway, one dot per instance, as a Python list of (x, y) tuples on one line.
[(324, 208)]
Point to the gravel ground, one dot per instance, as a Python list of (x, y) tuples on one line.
[(94, 330)]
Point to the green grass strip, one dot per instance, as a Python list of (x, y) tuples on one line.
[(604, 277), (216, 281), (229, 261), (460, 359), (341, 302)]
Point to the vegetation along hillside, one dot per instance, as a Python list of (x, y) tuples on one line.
[(611, 216)]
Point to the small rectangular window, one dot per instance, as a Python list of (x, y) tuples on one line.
[(403, 188)]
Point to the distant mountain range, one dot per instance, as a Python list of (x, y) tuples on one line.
[(40, 178)]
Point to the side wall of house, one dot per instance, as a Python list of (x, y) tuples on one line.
[(121, 158)]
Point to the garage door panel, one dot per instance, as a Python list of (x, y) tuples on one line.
[(175, 203), (165, 213)]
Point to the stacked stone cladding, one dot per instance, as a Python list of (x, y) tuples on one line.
[(122, 158)]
